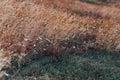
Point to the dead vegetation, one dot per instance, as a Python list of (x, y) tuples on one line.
[(26, 26)]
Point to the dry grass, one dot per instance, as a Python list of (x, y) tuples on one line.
[(26, 26), (110, 12)]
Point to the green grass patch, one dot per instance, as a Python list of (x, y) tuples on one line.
[(88, 66)]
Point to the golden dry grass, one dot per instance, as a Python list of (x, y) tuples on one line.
[(25, 24), (84, 8)]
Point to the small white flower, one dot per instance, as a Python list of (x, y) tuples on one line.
[(34, 45), (19, 44), (26, 39), (44, 49), (74, 47), (23, 54)]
